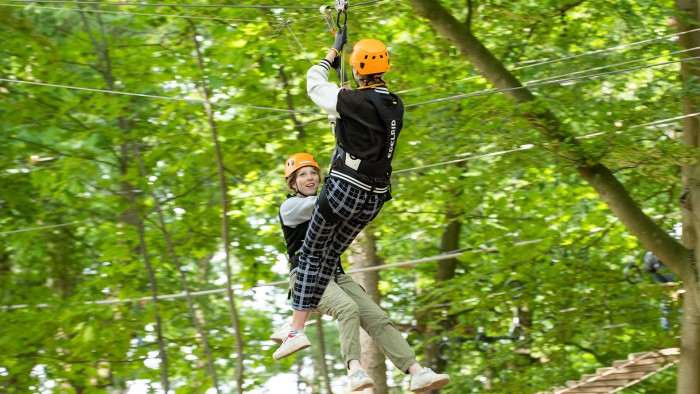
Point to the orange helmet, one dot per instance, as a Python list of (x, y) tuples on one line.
[(297, 161), (369, 56)]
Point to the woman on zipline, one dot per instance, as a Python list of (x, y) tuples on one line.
[(343, 298)]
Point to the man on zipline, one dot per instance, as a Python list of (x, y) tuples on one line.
[(343, 299)]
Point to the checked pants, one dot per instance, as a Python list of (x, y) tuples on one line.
[(327, 238)]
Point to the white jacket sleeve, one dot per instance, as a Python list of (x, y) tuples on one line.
[(321, 91), (296, 210)]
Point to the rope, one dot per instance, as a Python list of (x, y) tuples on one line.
[(581, 71), (303, 50), (613, 65), (434, 258), (595, 52), (135, 13), (492, 154), (566, 80), (442, 99), (197, 101), (530, 146), (184, 5)]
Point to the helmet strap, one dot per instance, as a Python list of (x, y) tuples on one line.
[(372, 81)]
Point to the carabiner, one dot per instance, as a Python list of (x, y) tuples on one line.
[(326, 12), (345, 18), (342, 7)]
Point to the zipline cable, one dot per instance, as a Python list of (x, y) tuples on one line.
[(25, 170), (52, 226), (587, 70), (492, 154), (284, 282), (604, 50), (435, 258), (448, 98), (137, 13), (288, 22), (565, 80), (375, 1), (303, 50), (428, 102), (503, 152), (488, 91), (611, 65), (195, 101), (184, 5), (277, 21), (453, 97), (530, 146), (535, 64)]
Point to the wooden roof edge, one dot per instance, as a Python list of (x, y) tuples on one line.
[(647, 376), (670, 353)]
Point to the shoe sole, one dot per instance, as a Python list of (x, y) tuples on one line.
[(438, 384), (279, 356), (362, 387)]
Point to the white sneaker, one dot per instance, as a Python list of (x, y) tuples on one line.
[(292, 345), (427, 380), (279, 335), (359, 380)]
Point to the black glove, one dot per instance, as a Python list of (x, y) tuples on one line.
[(336, 63), (341, 38)]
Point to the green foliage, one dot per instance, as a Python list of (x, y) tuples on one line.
[(67, 234)]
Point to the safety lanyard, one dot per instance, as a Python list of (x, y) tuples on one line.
[(341, 7)]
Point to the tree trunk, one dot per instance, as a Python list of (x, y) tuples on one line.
[(290, 105), (436, 324), (104, 64), (363, 253), (679, 258), (5, 275), (322, 363), (201, 332), (611, 191), (223, 190), (688, 377)]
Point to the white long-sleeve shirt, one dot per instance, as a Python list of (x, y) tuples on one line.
[(321, 91), (296, 210)]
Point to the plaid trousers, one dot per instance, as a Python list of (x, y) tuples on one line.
[(327, 239)]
